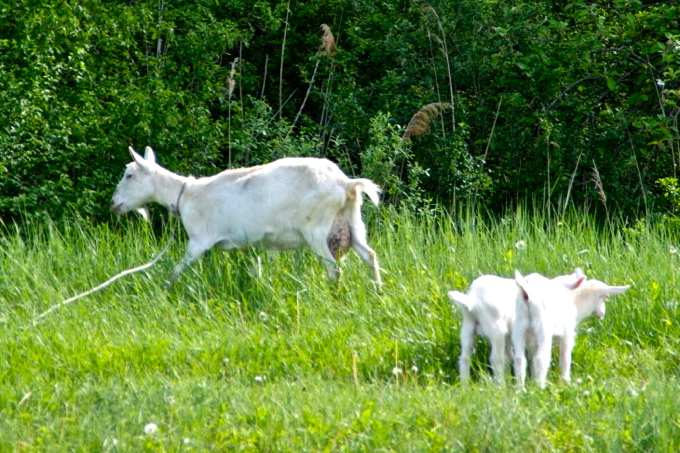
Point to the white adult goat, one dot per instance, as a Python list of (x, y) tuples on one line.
[(488, 310), (547, 310), (286, 204)]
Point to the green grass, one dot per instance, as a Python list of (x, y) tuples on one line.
[(225, 361)]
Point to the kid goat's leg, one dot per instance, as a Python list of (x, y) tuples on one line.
[(566, 347), (541, 360), (467, 336), (498, 357), (519, 359)]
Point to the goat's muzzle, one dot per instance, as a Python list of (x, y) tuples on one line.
[(117, 208)]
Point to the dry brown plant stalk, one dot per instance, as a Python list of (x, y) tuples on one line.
[(422, 120), (598, 185), (231, 83), (328, 46)]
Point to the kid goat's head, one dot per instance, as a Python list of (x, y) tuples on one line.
[(137, 186), (590, 298)]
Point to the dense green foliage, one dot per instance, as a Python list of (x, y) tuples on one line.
[(574, 100), (226, 361)]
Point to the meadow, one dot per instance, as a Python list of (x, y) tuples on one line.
[(225, 360)]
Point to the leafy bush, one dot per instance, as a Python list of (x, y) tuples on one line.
[(540, 95)]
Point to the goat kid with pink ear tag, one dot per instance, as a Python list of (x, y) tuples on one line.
[(488, 309), (547, 310)]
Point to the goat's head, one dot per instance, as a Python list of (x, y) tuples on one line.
[(137, 186), (590, 298)]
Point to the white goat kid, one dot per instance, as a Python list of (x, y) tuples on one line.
[(488, 310), (547, 310), (286, 204)]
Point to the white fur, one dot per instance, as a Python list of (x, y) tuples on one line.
[(488, 310), (547, 310), (286, 204)]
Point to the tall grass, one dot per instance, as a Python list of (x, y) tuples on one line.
[(224, 360)]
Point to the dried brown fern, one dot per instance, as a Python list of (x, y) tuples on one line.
[(328, 46), (420, 122)]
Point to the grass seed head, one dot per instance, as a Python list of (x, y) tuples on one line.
[(328, 46), (422, 120)]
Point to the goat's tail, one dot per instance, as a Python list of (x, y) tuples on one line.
[(463, 301), (366, 186)]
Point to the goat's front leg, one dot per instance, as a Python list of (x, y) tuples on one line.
[(194, 251)]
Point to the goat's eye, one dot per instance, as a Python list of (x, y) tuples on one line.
[(128, 176)]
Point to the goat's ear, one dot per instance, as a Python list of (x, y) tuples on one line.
[(136, 157), (149, 155), (578, 283), (579, 273), (613, 290)]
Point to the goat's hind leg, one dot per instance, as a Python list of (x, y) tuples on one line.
[(498, 357), (566, 347), (519, 364), (541, 360), (467, 338), (318, 242), (367, 254)]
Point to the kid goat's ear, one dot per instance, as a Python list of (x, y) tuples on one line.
[(613, 290), (577, 284)]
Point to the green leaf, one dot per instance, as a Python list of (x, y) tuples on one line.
[(611, 83)]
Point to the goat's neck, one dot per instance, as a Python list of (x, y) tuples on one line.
[(583, 308), (168, 188)]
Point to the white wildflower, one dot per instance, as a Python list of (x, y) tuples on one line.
[(150, 428), (397, 371), (673, 250), (520, 245), (660, 83), (259, 379)]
